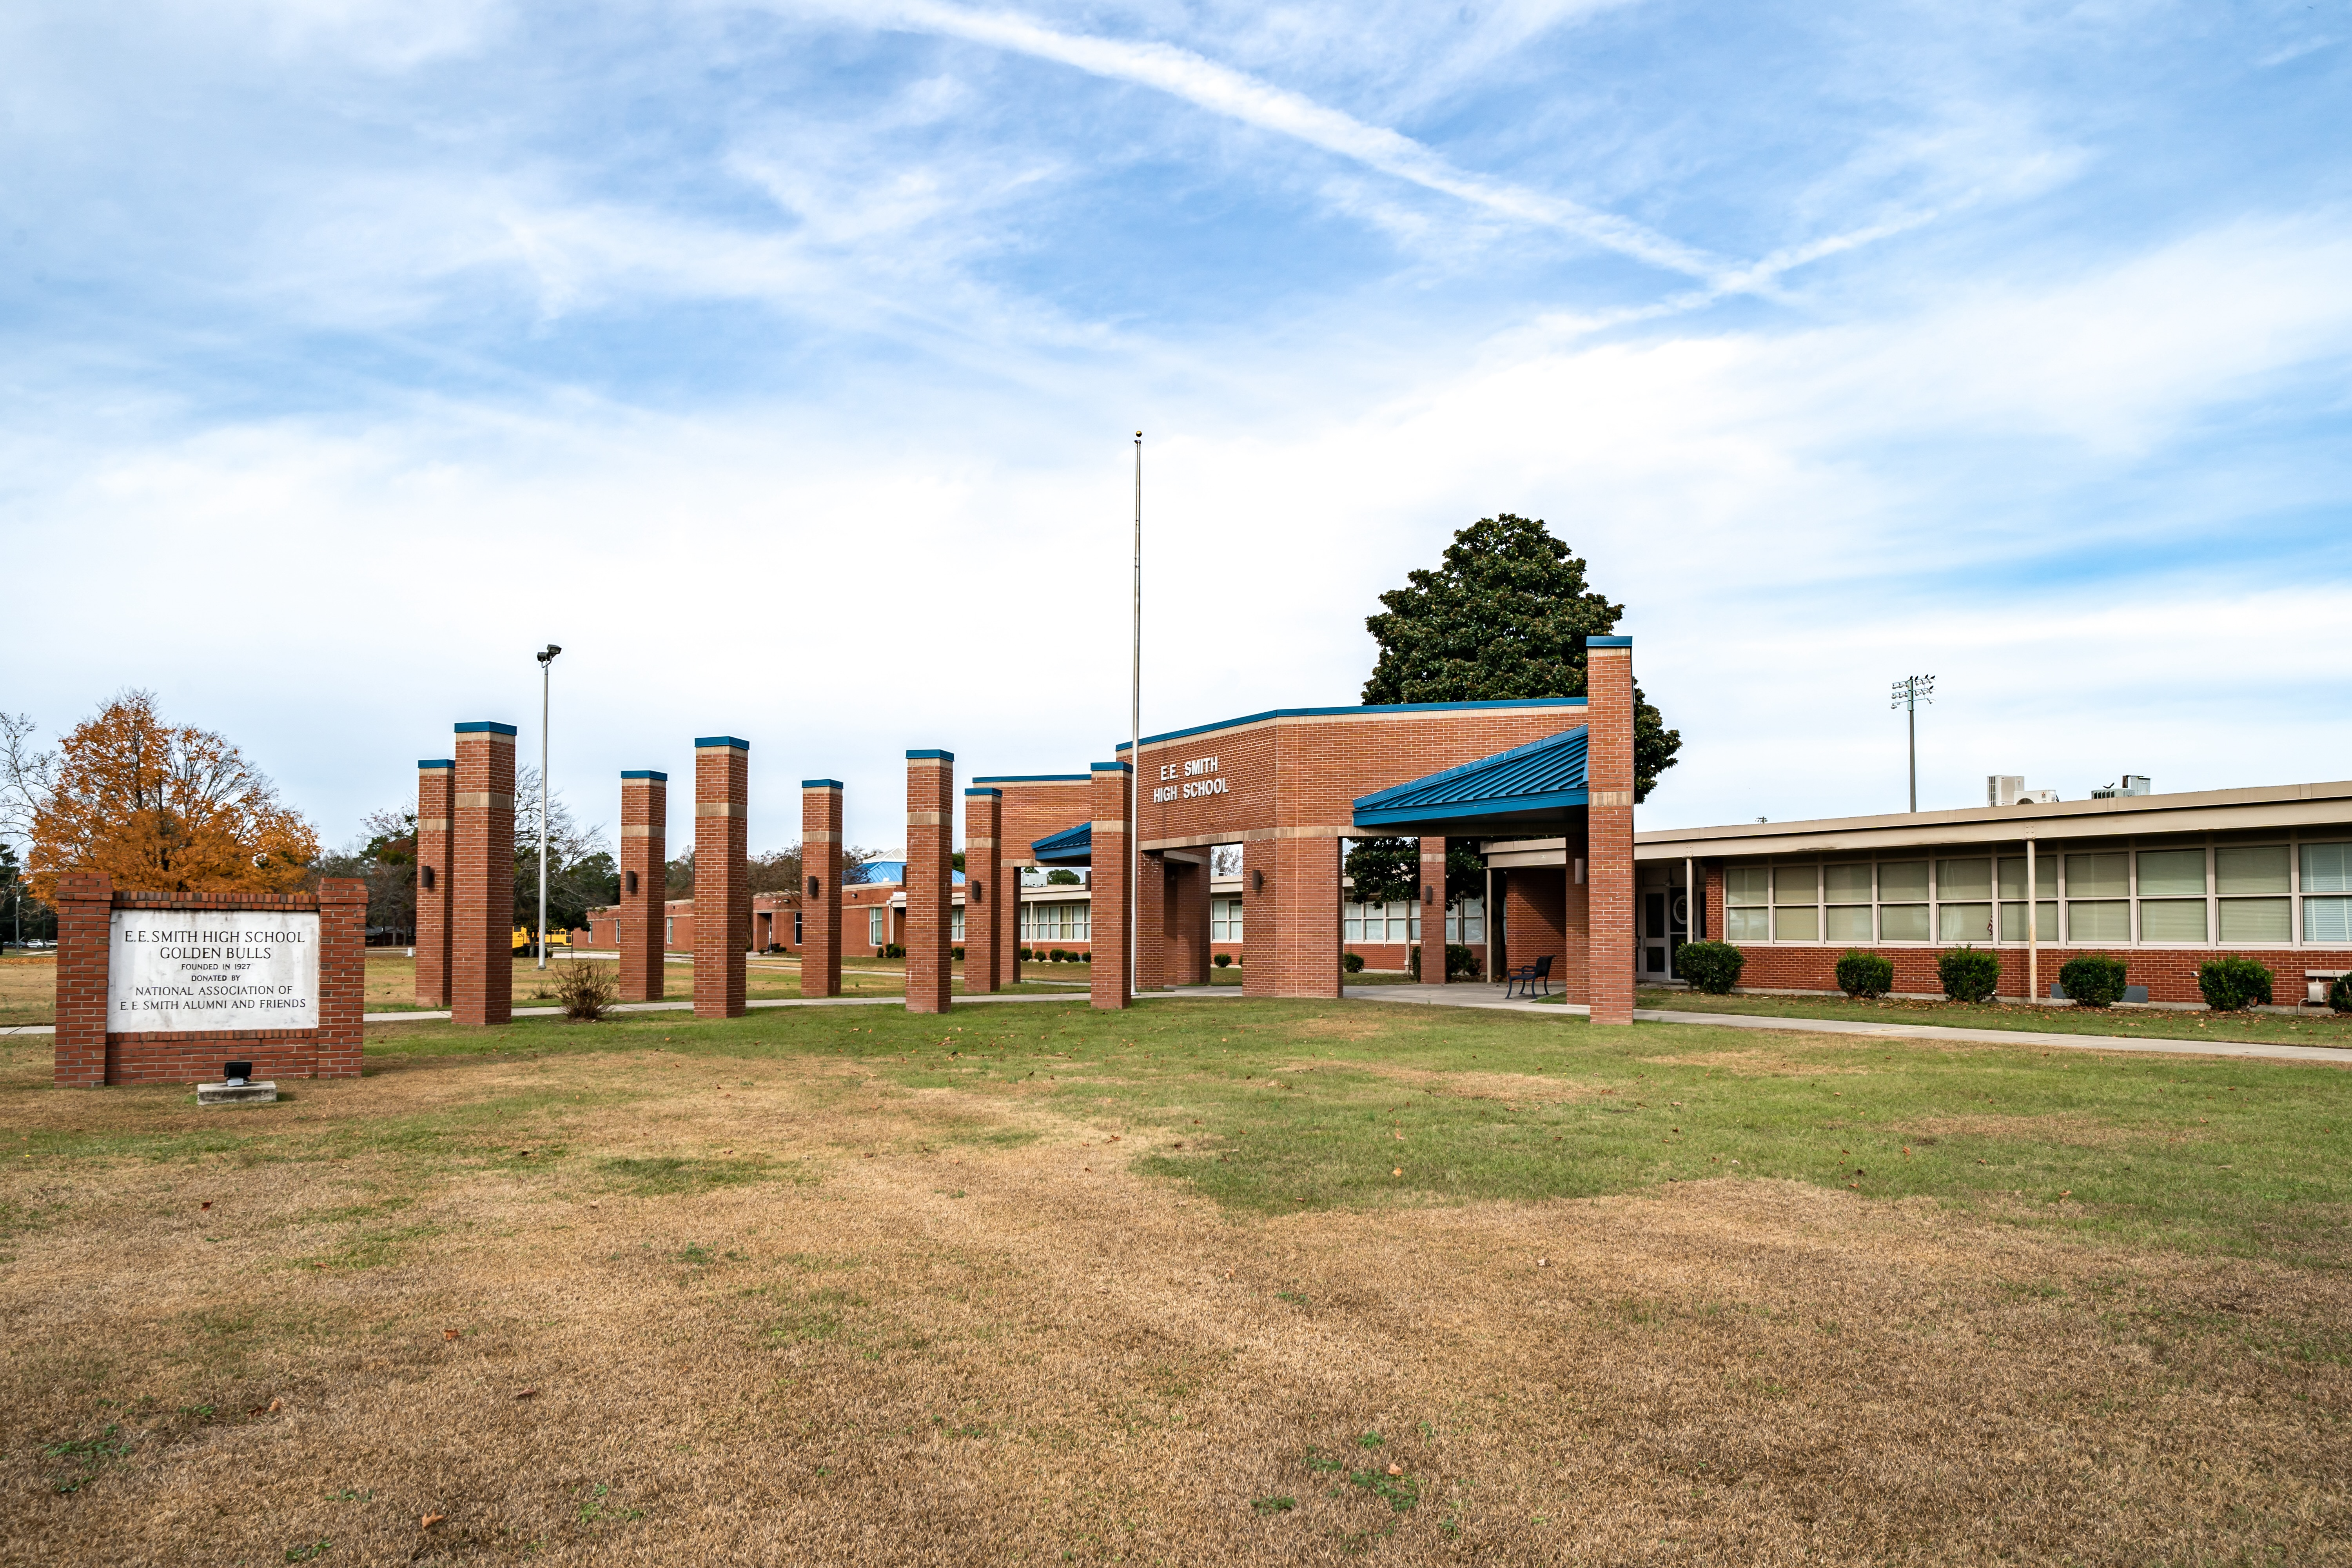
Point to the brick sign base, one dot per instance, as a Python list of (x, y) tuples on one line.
[(88, 1056)]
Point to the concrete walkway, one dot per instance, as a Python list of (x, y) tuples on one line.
[(1486, 998)]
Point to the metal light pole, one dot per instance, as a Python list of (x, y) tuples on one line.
[(1909, 692), (546, 662), (1135, 752)]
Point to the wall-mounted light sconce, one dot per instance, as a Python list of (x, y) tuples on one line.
[(425, 873), (1257, 881), (814, 887), (1428, 894), (631, 878), (1580, 873), (980, 892)]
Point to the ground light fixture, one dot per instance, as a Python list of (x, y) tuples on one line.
[(546, 657), (1908, 693)]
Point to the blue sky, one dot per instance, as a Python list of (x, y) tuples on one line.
[(779, 361)]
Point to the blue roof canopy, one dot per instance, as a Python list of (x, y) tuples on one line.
[(1534, 787), (1070, 846)]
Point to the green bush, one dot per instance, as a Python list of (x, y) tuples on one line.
[(2339, 995), (2231, 983), (1026, 955), (1862, 975), (1057, 955), (1969, 974), (2093, 981), (957, 953), (1222, 960), (895, 950), (1086, 957), (1353, 962), (1460, 960), (1710, 966)]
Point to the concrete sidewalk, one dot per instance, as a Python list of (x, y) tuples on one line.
[(1486, 998)]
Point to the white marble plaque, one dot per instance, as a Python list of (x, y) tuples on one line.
[(212, 969)]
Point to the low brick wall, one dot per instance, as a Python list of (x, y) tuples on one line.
[(2169, 973)]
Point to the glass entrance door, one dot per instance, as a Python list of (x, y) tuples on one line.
[(1666, 920)]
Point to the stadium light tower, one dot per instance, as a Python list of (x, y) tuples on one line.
[(1909, 692)]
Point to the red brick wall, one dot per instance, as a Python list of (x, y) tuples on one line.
[(481, 920), (88, 1055), (436, 788), (645, 856), (1152, 965), (1608, 834), (1113, 831), (1188, 941), (722, 891), (931, 829), (1433, 913), (2169, 973), (1290, 918), (821, 932), (983, 886)]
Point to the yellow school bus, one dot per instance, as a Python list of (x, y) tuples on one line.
[(555, 939)]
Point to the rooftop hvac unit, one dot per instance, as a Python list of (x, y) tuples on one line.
[(2002, 789), (2134, 783), (2037, 797)]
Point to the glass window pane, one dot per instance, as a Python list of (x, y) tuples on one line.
[(1903, 922), (2327, 919), (2096, 923), (1746, 884), (2172, 919), (2255, 920), (2098, 875), (2168, 873), (2327, 868), (1964, 923), (2257, 869), (1849, 922), (1902, 881), (1797, 924), (1413, 926), (956, 924), (1848, 884), (1748, 925), (1963, 879), (2012, 923), (1795, 884), (1351, 928), (2013, 877)]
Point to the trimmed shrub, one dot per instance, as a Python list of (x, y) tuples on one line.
[(1086, 957), (2339, 995), (1969, 974), (1222, 960), (896, 950), (1353, 962), (1710, 966), (1460, 960), (1059, 956), (2231, 983), (1862, 975), (2093, 981), (956, 954)]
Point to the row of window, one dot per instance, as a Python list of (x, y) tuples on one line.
[(2257, 893), (1069, 920), (1399, 921)]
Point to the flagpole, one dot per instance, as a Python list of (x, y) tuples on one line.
[(1135, 753)]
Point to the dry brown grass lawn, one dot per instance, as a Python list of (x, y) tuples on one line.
[(638, 1308)]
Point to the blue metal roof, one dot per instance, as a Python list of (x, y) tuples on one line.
[(1541, 780), (1070, 846), (895, 873)]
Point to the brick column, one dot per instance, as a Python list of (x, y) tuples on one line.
[(644, 878), (343, 977), (984, 888), (1151, 967), (820, 887), (1188, 919), (481, 856), (1109, 882), (1609, 828), (436, 788), (85, 905), (1303, 895), (722, 882), (1008, 912), (1433, 913), (1258, 917), (930, 830)]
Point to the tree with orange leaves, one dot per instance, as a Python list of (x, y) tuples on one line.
[(157, 807)]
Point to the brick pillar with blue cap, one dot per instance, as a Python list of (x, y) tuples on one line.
[(1609, 828), (437, 787), (481, 854), (931, 835), (722, 885), (983, 886)]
